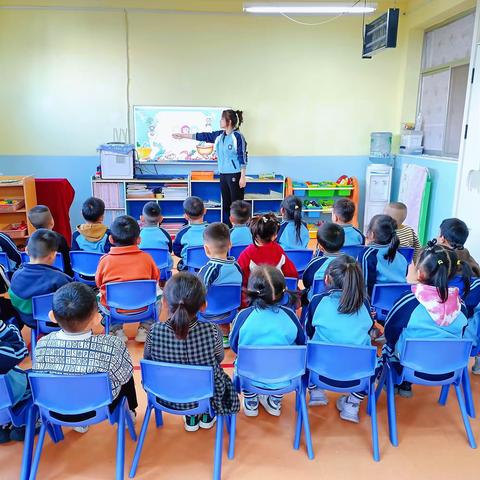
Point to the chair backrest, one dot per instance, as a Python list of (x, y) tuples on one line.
[(160, 256), (353, 250), (41, 306), (71, 395), (223, 299), (6, 400), (57, 263), (341, 362), (196, 258), (434, 356), (177, 383), (318, 286), (236, 250), (385, 295), (407, 252), (131, 295), (85, 263), (271, 365), (4, 262), (300, 258), (291, 283)]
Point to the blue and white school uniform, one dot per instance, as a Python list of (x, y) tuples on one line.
[(353, 236), (240, 235), (287, 236), (221, 272), (189, 236), (156, 237), (316, 269), (377, 269)]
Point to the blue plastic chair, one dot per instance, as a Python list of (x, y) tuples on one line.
[(84, 266), (18, 416), (353, 250), (161, 257), (195, 258), (292, 286), (57, 263), (5, 263), (432, 362), (223, 302), (319, 286), (384, 296), (407, 252), (276, 365), (300, 258), (236, 250), (137, 298), (181, 384), (41, 306), (74, 395), (345, 368)]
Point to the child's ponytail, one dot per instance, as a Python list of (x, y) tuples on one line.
[(461, 269), (185, 295), (393, 247), (264, 227), (344, 273), (266, 287), (292, 208), (383, 229)]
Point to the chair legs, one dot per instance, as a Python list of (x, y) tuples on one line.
[(392, 414), (306, 424), (217, 462), (158, 418), (372, 407), (130, 424), (28, 443), (298, 423), (38, 451), (120, 459), (442, 400), (231, 439), (466, 421), (467, 392), (141, 440)]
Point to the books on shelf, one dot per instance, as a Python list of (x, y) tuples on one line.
[(110, 193), (175, 192), (273, 195), (139, 190)]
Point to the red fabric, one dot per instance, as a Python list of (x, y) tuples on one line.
[(57, 194)]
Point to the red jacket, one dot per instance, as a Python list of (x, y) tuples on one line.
[(269, 254)]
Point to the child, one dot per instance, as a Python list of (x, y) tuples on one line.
[(265, 322), (265, 250), (152, 235), (330, 239), (38, 277), (182, 339), (125, 262), (431, 309), (75, 350), (293, 233), (240, 214), (192, 234), (381, 262), (41, 217), (8, 246), (453, 235), (341, 315), (92, 236), (342, 214), (406, 235), (221, 269), (12, 351)]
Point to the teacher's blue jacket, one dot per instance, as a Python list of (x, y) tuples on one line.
[(231, 149)]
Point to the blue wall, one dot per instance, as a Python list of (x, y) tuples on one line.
[(443, 174), (78, 170)]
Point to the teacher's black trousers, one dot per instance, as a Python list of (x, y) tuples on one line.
[(230, 192)]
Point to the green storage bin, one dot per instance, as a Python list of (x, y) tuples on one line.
[(320, 193), (344, 193)]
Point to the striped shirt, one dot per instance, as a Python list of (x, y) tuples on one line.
[(408, 238)]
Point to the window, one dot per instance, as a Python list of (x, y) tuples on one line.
[(443, 85)]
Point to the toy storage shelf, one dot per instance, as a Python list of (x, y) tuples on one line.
[(21, 188), (264, 195)]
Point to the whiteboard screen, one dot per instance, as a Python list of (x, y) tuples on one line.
[(154, 127)]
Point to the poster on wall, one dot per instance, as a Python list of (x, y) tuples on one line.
[(154, 126)]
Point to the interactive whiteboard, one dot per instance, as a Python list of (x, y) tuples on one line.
[(154, 127)]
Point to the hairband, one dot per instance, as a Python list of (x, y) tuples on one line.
[(440, 262), (297, 207), (181, 302), (459, 262)]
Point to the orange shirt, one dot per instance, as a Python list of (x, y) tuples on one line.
[(124, 264)]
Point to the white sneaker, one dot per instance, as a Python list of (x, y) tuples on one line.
[(133, 416), (271, 405), (120, 333), (250, 406), (348, 409), (318, 397), (81, 429), (476, 366), (141, 336)]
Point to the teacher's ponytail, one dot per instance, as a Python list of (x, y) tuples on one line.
[(239, 118)]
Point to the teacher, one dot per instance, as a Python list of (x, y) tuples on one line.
[(231, 149)]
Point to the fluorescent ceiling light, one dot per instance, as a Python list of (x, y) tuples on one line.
[(308, 8)]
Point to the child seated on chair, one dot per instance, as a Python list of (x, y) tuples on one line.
[(341, 315), (10, 249), (342, 214), (12, 351), (152, 235), (431, 309), (92, 236), (192, 234), (240, 215), (406, 235), (293, 232), (220, 269), (125, 262), (184, 340), (381, 262), (330, 239), (265, 323), (41, 217), (38, 277), (76, 350)]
